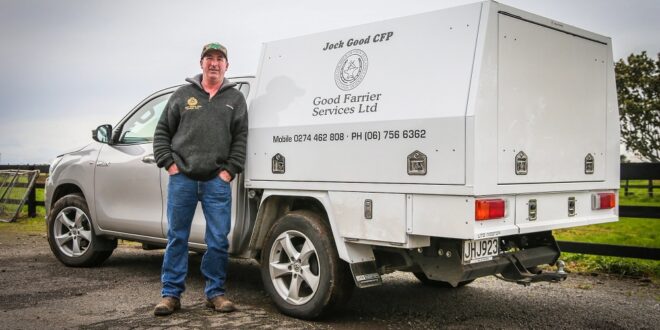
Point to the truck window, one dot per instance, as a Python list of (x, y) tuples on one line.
[(142, 124), (244, 88)]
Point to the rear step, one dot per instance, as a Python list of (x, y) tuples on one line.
[(519, 274)]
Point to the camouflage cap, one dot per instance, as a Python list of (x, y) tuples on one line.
[(214, 46)]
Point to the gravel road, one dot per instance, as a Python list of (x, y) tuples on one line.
[(37, 292)]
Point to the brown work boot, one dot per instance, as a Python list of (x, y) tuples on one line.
[(167, 306), (220, 304)]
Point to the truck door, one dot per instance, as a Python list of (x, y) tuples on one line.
[(127, 184)]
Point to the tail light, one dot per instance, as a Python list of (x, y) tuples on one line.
[(486, 209), (603, 201)]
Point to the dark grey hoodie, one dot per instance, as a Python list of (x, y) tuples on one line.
[(203, 135)]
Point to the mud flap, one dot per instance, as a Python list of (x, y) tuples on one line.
[(366, 274)]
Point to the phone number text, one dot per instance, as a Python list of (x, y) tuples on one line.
[(369, 135)]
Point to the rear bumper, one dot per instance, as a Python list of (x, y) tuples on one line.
[(525, 252), (502, 265)]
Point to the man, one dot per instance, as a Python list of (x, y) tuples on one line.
[(200, 139)]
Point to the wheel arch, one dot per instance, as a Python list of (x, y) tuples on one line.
[(275, 204), (74, 187), (63, 190)]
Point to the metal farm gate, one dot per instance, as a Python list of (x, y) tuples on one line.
[(15, 185)]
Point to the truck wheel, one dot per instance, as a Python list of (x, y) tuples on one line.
[(440, 284), (300, 267), (71, 234)]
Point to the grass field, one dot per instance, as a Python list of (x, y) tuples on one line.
[(640, 196), (627, 231)]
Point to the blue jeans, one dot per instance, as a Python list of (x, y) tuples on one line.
[(183, 194)]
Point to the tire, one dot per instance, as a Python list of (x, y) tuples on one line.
[(439, 284), (71, 234), (300, 268)]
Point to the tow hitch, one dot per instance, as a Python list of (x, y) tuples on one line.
[(519, 274)]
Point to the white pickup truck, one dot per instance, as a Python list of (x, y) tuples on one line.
[(448, 144)]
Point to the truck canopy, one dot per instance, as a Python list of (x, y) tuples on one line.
[(481, 96)]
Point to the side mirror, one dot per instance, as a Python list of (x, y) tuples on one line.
[(102, 133)]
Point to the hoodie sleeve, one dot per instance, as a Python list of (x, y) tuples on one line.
[(165, 130), (239, 129)]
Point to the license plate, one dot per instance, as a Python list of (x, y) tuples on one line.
[(480, 250)]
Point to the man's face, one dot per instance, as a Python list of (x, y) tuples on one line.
[(214, 65)]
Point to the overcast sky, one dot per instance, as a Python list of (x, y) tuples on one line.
[(68, 66)]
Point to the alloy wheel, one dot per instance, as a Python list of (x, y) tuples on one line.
[(72, 232), (294, 267)]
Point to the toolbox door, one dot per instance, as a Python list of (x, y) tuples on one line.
[(551, 104)]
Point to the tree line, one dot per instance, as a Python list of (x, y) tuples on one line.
[(638, 90)]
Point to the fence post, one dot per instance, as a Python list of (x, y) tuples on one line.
[(625, 189), (32, 199), (32, 205), (650, 188)]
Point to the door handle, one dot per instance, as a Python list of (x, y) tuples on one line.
[(149, 159), (102, 164)]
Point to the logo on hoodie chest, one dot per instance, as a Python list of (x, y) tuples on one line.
[(193, 104)]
